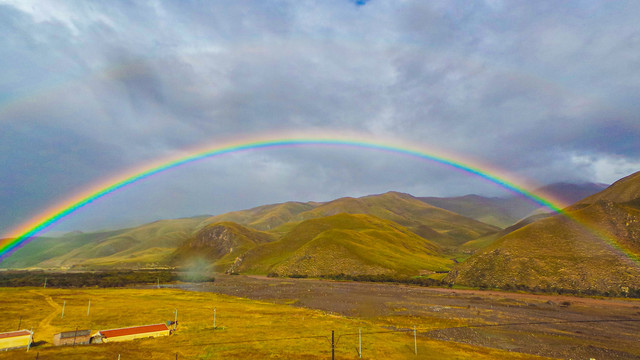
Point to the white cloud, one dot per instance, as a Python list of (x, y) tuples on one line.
[(606, 169), (521, 85)]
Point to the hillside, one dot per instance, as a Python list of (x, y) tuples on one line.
[(266, 217), (148, 245), (499, 212), (504, 212), (345, 243), (441, 226), (170, 242), (593, 248), (624, 190), (40, 249), (219, 244)]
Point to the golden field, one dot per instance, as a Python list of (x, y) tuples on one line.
[(246, 329)]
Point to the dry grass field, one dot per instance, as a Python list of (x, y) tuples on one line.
[(245, 329)]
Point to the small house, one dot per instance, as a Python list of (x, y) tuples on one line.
[(132, 333), (72, 337), (16, 339)]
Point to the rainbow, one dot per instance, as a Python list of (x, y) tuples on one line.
[(28, 231)]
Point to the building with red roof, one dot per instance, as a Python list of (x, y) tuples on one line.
[(15, 339), (132, 333)]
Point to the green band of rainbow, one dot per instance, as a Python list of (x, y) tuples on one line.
[(59, 212)]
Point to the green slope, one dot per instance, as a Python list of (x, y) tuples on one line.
[(218, 245), (504, 212), (441, 226), (148, 245), (265, 217), (495, 211), (559, 253), (346, 243), (624, 190), (41, 249)]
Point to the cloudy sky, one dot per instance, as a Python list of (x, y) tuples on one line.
[(548, 91)]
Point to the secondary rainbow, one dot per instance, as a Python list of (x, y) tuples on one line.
[(36, 225)]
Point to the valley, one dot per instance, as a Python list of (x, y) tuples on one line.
[(554, 326)]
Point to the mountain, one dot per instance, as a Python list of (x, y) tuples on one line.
[(500, 212), (566, 194), (148, 245), (219, 244), (624, 190), (504, 212), (345, 243), (220, 239), (266, 217), (41, 249), (593, 247), (439, 225)]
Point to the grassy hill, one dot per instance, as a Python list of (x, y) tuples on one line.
[(346, 243), (219, 244), (504, 212), (495, 211), (148, 245), (594, 248), (443, 227), (624, 190), (171, 242), (41, 249), (266, 217)]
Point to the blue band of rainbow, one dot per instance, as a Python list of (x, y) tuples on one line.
[(37, 225)]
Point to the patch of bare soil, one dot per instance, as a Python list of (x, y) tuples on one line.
[(547, 325)]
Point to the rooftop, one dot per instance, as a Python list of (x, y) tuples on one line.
[(133, 330), (70, 334), (14, 334)]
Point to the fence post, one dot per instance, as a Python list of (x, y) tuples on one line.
[(359, 343), (415, 340), (175, 321), (333, 347)]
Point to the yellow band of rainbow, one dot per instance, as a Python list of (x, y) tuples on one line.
[(38, 224)]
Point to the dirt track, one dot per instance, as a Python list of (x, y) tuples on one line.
[(554, 326)]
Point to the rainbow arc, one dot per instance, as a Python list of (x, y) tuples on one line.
[(39, 224)]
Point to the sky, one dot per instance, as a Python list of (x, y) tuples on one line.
[(547, 91)]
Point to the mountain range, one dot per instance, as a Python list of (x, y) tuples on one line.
[(592, 246)]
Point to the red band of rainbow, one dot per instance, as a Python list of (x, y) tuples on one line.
[(37, 225)]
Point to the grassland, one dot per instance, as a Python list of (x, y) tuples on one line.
[(245, 328), (346, 243), (561, 253)]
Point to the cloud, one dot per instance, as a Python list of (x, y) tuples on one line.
[(545, 90)]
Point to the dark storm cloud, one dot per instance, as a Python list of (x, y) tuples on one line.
[(546, 90)]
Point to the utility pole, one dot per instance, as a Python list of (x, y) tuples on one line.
[(63, 305), (30, 341), (89, 307), (359, 343), (333, 347), (415, 340), (175, 321), (45, 282), (75, 335)]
